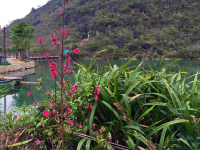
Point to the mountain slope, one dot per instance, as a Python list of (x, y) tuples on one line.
[(150, 28)]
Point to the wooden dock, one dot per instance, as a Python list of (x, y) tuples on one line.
[(17, 79)]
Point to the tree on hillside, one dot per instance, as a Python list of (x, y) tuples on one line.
[(22, 35)]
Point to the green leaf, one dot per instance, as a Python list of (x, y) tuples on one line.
[(166, 125), (112, 109), (87, 146), (20, 143), (145, 113), (185, 142), (134, 127), (90, 123), (108, 130), (81, 143), (160, 147)]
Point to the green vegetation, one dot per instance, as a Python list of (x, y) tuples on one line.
[(136, 107), (5, 63), (22, 35), (150, 28)]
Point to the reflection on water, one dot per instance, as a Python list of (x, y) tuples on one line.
[(18, 96)]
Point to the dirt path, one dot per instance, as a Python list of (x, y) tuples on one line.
[(14, 61)]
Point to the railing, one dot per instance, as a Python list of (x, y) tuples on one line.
[(30, 54)]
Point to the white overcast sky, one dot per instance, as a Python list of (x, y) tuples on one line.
[(16, 9)]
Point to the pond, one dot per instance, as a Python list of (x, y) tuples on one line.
[(17, 97)]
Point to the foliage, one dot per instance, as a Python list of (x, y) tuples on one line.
[(165, 25), (5, 63), (22, 35)]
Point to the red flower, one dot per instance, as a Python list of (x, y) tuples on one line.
[(52, 34), (64, 31), (15, 116), (80, 126), (37, 142), (71, 122), (61, 12), (59, 44), (46, 113), (76, 51), (76, 86), (46, 54), (64, 70), (65, 105), (40, 40), (72, 72), (73, 67), (17, 134), (69, 58), (54, 111), (29, 94), (91, 107), (47, 92), (56, 118), (67, 80), (96, 97), (52, 103), (66, 0), (75, 63), (64, 89), (34, 102)]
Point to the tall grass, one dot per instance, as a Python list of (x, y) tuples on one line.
[(145, 109)]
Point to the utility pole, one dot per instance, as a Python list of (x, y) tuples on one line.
[(4, 41)]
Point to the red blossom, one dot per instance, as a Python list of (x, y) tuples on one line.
[(64, 70), (69, 58), (47, 92), (71, 122), (64, 31), (29, 94), (15, 117), (80, 126), (76, 86), (34, 102), (52, 103), (96, 97), (17, 134), (73, 67), (61, 12), (54, 111), (76, 51), (72, 72), (74, 63), (59, 44), (46, 113), (67, 80), (56, 118), (91, 107), (40, 40), (46, 54), (52, 34), (65, 105), (37, 142)]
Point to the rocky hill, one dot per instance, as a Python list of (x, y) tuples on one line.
[(149, 28)]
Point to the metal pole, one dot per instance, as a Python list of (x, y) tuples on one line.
[(4, 41)]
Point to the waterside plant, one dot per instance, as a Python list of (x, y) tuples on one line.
[(115, 108)]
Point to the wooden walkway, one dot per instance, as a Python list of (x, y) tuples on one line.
[(17, 79)]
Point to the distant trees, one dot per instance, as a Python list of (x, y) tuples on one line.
[(22, 35)]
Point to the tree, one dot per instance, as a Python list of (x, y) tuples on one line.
[(22, 35)]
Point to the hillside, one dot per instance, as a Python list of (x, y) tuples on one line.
[(150, 28)]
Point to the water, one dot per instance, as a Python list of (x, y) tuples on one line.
[(17, 97)]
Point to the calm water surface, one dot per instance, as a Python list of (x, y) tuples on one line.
[(17, 97)]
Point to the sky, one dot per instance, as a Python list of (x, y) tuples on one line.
[(16, 9)]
